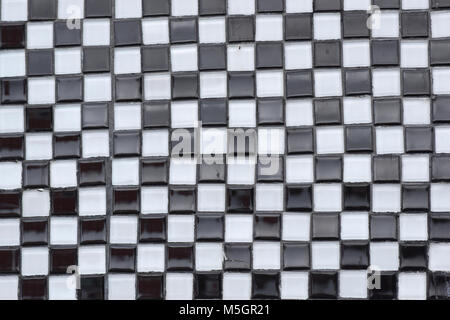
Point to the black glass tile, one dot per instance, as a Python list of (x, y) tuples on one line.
[(328, 168), (387, 288), (180, 257), (439, 52), (92, 173), (92, 230), (122, 259), (11, 147), (327, 111), (98, 8), (387, 111), (208, 285), (270, 169), (439, 227), (440, 168), (152, 228), (127, 32), (354, 255), (39, 118), (34, 232), (240, 199), (386, 168), (327, 5), (92, 288), (440, 3), (39, 62), (10, 203), (383, 227), (182, 200), (298, 27), (69, 89), (327, 54), (441, 109), (213, 112), (13, 91), (357, 82), (65, 36), (126, 200), (61, 259), (183, 30), (358, 139), (127, 144), (178, 143), (64, 202), (354, 24), (415, 197), (95, 115), (413, 256), (387, 4), (299, 198), (156, 7), (357, 196), (237, 256), (210, 7), (414, 24), (67, 145), (42, 9), (155, 58), (270, 111), (9, 260), (269, 55), (154, 171), (300, 141), (438, 285), (211, 57), (416, 82), (296, 256), (267, 227), (185, 86), (96, 59), (241, 85), (33, 288), (418, 139), (150, 287), (12, 36), (241, 143), (265, 285), (323, 285), (325, 226), (36, 174), (156, 114), (209, 227), (270, 5), (241, 28), (385, 53), (299, 84), (211, 172)]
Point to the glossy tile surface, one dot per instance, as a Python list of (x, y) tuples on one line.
[(224, 149), (182, 200), (11, 147), (40, 62), (93, 230), (65, 36), (64, 202), (153, 229)]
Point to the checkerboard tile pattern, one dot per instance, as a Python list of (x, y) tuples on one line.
[(350, 98)]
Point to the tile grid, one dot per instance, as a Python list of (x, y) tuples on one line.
[(313, 149)]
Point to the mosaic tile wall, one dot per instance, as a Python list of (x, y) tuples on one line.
[(352, 104)]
